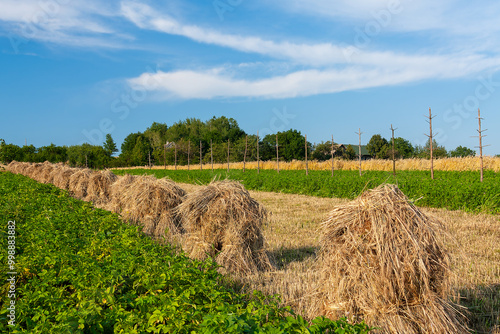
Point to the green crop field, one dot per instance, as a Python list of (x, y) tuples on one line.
[(78, 269), (451, 190)]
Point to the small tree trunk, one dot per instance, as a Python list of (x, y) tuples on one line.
[(258, 162), (277, 155), (307, 166), (332, 155)]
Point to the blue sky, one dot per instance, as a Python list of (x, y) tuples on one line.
[(72, 71)]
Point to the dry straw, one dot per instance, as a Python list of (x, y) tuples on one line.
[(150, 202), (99, 187), (48, 171), (33, 170), (118, 188), (17, 167), (61, 177), (223, 221), (383, 261), (78, 183)]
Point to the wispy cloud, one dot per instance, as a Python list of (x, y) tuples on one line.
[(295, 68), (74, 23), (217, 83), (313, 54), (330, 67)]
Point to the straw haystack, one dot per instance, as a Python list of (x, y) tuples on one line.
[(150, 202), (99, 187), (22, 168), (46, 174), (61, 177), (118, 188), (224, 222), (33, 170), (78, 183), (383, 261), (16, 167)]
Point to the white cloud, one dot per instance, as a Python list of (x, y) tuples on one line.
[(218, 83), (75, 23), (332, 68), (313, 54)]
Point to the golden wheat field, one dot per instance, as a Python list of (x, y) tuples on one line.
[(444, 164)]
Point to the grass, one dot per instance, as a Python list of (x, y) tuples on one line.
[(292, 236), (451, 190)]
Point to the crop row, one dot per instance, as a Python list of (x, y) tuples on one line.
[(451, 190), (79, 269)]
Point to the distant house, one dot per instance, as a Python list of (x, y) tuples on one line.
[(338, 148), (364, 152)]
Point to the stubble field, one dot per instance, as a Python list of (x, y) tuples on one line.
[(292, 235)]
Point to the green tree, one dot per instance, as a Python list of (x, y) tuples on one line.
[(220, 129), (10, 152), (157, 136), (423, 152), (52, 153), (323, 151), (378, 147), (141, 151), (92, 156), (402, 147), (135, 150), (291, 146), (349, 153), (109, 145), (462, 151), (30, 153)]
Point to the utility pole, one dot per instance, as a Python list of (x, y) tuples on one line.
[(307, 167), (393, 155), (430, 135), (189, 150), (332, 155), (481, 136), (245, 155), (359, 133), (201, 166), (258, 167), (211, 155), (228, 155), (277, 155)]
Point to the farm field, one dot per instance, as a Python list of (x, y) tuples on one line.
[(450, 189), (293, 238), (82, 270), (413, 164)]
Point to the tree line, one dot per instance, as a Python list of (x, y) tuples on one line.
[(211, 138)]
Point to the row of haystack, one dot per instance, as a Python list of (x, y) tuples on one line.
[(221, 220), (381, 259)]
